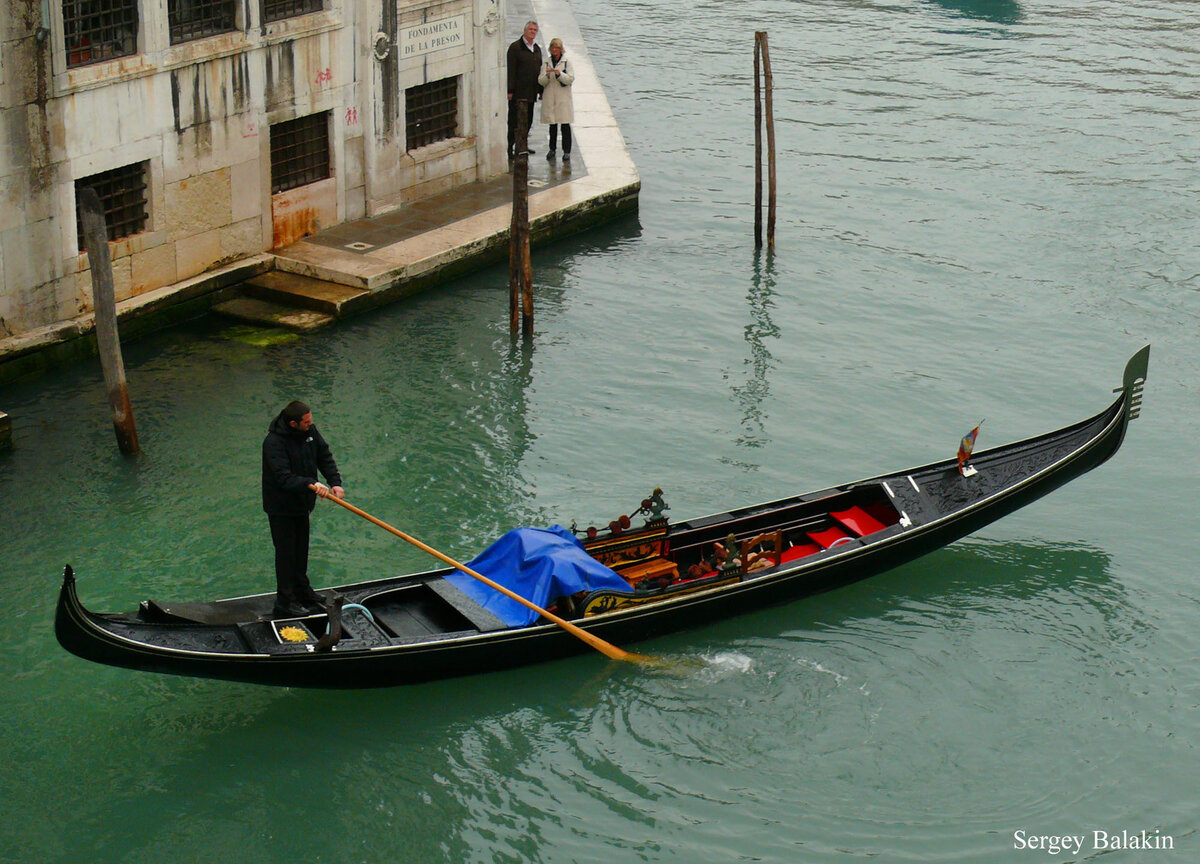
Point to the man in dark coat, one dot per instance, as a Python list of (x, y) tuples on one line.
[(292, 454), (524, 67)]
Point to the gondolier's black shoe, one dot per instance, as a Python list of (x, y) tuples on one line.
[(315, 603), (288, 609)]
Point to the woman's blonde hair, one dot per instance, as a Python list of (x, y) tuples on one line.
[(558, 42)]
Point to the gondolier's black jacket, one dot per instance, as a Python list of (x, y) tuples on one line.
[(290, 461)]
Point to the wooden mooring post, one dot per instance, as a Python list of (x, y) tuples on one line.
[(520, 265), (764, 85), (95, 236)]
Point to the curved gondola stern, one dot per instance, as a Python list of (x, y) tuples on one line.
[(66, 627), (1133, 382), (71, 620), (67, 598)]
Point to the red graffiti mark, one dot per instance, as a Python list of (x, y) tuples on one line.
[(351, 116), (325, 76)]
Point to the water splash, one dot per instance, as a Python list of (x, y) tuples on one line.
[(726, 664)]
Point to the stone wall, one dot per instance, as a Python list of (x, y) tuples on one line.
[(474, 54), (198, 115)]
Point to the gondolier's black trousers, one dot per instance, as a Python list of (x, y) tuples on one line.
[(290, 535)]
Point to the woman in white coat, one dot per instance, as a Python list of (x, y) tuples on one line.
[(558, 108)]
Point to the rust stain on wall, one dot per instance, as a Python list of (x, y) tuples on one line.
[(304, 210), (290, 225)]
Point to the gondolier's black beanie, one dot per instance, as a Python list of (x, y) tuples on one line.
[(295, 411)]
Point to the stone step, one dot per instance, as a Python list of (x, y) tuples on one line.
[(318, 261), (268, 314), (318, 295)]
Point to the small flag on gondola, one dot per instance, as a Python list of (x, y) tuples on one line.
[(964, 452)]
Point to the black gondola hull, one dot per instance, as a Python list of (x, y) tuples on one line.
[(934, 506)]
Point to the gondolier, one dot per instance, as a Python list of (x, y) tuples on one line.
[(293, 453)]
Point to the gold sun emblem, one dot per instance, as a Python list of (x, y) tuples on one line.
[(293, 634)]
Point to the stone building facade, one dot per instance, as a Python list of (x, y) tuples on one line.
[(216, 130)]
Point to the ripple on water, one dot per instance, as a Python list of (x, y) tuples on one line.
[(854, 729)]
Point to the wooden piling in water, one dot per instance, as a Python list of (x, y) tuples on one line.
[(758, 232), (108, 342), (760, 42), (520, 264)]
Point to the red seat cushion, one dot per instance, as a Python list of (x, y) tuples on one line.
[(827, 538), (799, 551), (859, 521)]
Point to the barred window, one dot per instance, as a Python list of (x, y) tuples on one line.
[(96, 30), (122, 193), (195, 19), (430, 112), (277, 10), (299, 152)]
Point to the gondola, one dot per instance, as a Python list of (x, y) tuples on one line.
[(662, 576)]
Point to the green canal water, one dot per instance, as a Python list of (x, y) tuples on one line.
[(984, 209)]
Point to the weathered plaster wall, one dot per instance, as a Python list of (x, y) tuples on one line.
[(199, 115), (28, 171), (478, 152)]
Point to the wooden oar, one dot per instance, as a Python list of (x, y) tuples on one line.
[(605, 648)]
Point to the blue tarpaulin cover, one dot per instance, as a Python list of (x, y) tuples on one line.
[(539, 564)]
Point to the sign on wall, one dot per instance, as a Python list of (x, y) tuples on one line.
[(431, 36)]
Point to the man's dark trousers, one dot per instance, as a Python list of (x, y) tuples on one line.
[(512, 123), (290, 536)]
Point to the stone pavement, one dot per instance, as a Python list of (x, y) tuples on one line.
[(367, 262)]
